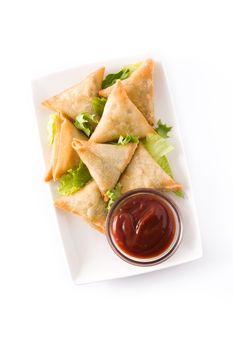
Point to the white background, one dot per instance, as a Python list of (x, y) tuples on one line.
[(186, 307)]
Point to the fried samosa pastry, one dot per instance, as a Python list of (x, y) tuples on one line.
[(120, 117), (87, 203), (63, 156), (139, 87), (105, 162), (77, 98), (55, 148), (143, 171)]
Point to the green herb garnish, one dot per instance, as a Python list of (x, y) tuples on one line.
[(163, 129), (74, 180), (124, 73), (124, 140), (113, 195), (98, 104), (86, 122)]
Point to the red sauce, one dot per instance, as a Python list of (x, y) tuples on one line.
[(143, 226)]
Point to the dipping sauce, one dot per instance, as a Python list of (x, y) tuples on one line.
[(143, 225)]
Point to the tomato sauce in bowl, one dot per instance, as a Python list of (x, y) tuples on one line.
[(144, 227)]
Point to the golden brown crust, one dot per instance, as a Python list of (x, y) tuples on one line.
[(77, 98), (139, 87), (63, 155), (143, 171), (55, 148), (49, 174), (105, 162), (87, 203), (67, 157), (120, 117)]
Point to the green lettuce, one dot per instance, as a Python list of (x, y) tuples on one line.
[(179, 193), (98, 104), (51, 128), (124, 73), (159, 155), (124, 140), (113, 195), (86, 122), (163, 129), (164, 164), (74, 179), (112, 78), (157, 146), (132, 67)]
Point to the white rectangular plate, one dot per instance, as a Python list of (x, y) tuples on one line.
[(89, 256)]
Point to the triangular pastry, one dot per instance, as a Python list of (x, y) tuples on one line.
[(78, 98), (87, 203), (63, 155), (120, 117), (105, 162), (139, 87), (144, 171)]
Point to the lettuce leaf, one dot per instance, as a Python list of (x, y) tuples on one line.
[(113, 195), (86, 122), (158, 151), (163, 162), (74, 179), (124, 140), (163, 129), (112, 78), (132, 67), (179, 193), (51, 127), (98, 104), (124, 73), (157, 146)]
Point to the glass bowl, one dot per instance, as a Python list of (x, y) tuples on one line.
[(157, 259)]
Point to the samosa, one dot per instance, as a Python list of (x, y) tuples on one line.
[(105, 162), (78, 98), (63, 155), (87, 203), (120, 118), (139, 87), (144, 171)]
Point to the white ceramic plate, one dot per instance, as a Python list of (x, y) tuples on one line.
[(89, 256)]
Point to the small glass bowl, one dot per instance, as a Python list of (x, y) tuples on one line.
[(155, 259)]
